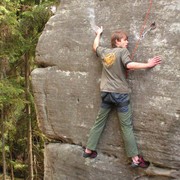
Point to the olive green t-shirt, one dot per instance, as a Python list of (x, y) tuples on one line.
[(114, 62)]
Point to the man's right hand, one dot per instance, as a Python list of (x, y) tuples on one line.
[(154, 61)]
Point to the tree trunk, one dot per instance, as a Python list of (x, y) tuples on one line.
[(35, 167), (28, 113), (11, 166), (3, 146), (3, 137)]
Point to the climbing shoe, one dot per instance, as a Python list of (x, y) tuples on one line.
[(93, 154), (141, 163)]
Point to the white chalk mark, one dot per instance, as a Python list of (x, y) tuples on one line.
[(68, 73), (91, 16), (53, 9)]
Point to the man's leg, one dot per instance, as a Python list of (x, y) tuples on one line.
[(125, 118), (97, 128)]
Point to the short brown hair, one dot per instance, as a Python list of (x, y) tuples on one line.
[(117, 35)]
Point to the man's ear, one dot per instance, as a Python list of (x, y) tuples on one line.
[(117, 42)]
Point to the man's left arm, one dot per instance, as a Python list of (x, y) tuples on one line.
[(97, 38)]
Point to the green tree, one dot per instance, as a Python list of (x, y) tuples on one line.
[(21, 23)]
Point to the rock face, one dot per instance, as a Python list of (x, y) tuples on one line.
[(66, 90)]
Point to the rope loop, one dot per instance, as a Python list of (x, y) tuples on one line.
[(142, 29)]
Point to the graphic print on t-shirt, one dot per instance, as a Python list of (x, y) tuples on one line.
[(109, 59)]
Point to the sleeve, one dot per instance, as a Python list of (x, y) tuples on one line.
[(101, 52), (125, 57)]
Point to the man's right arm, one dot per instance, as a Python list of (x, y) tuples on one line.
[(151, 63), (97, 38)]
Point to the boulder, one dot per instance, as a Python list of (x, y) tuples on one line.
[(67, 97)]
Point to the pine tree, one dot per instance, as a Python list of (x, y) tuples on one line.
[(21, 23)]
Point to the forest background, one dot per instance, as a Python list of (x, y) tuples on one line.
[(22, 143)]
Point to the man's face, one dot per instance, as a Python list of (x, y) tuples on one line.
[(123, 43)]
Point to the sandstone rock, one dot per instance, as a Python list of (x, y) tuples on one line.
[(66, 89)]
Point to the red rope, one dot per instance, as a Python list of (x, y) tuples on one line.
[(142, 29)]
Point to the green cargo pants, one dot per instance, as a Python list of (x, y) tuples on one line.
[(125, 118)]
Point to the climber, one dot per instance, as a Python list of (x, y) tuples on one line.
[(115, 92)]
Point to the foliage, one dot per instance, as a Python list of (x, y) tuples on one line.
[(10, 95), (21, 24)]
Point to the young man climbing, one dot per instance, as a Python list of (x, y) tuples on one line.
[(115, 93)]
